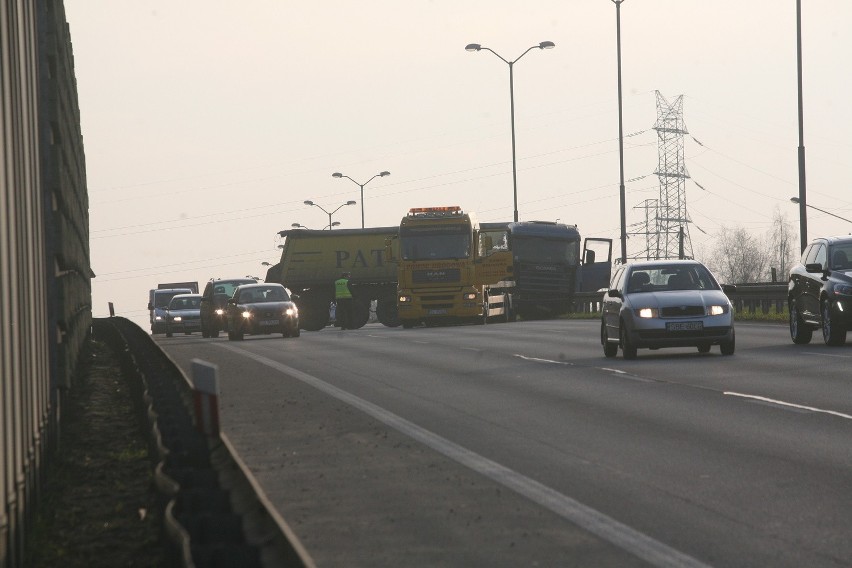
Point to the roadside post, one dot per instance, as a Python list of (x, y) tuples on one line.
[(205, 396)]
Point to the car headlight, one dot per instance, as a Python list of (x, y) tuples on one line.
[(843, 289), (716, 310), (469, 296), (220, 312), (404, 299), (177, 318), (158, 318), (647, 312), (246, 314), (290, 312)]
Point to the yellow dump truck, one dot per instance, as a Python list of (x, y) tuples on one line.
[(312, 260)]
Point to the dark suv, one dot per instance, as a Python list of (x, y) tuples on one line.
[(820, 291), (214, 300)]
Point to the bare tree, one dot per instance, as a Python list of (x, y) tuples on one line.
[(738, 256), (783, 244)]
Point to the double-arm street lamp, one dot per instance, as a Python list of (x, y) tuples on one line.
[(621, 193), (799, 201), (329, 213), (511, 64), (380, 174)]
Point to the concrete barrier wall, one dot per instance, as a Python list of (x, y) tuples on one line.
[(45, 278)]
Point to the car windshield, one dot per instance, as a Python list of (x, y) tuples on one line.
[(841, 257), (258, 295), (670, 277), (192, 303), (435, 242)]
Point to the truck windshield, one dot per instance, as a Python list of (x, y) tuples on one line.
[(435, 242), (546, 250)]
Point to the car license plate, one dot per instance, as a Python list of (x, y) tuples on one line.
[(269, 322), (438, 312), (685, 326)]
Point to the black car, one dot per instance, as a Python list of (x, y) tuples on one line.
[(262, 308), (214, 300), (820, 291)]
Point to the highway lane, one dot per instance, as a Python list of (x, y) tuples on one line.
[(543, 449)]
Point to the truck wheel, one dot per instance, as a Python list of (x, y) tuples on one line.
[(407, 324), (387, 313), (360, 314)]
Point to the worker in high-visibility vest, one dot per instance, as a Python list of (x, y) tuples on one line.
[(343, 301)]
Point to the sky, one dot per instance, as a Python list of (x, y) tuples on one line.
[(207, 124)]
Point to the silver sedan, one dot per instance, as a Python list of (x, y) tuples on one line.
[(666, 303)]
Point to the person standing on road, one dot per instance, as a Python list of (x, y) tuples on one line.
[(343, 300)]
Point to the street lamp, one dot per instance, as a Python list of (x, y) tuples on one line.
[(621, 196), (542, 45), (299, 226), (803, 214), (800, 202), (380, 174), (329, 213)]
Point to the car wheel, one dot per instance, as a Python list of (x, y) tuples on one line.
[(296, 332), (799, 332), (704, 348), (628, 350), (214, 333), (610, 349), (232, 336), (833, 332), (728, 347), (168, 333), (204, 332)]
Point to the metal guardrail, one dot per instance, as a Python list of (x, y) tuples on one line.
[(749, 297)]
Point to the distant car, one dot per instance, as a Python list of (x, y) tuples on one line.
[(262, 308), (214, 302), (666, 303), (183, 314), (819, 292)]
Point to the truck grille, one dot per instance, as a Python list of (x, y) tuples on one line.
[(436, 275)]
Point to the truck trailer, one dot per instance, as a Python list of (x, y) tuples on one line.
[(311, 260)]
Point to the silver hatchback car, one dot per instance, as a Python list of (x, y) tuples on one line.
[(666, 303)]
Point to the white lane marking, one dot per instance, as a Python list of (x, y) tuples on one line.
[(470, 349), (789, 404), (816, 354), (607, 528), (616, 371), (538, 360)]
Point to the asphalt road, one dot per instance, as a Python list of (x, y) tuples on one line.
[(521, 445)]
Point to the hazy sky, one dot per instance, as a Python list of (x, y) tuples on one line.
[(206, 124)]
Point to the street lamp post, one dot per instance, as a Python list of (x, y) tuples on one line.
[(803, 213), (511, 64), (803, 204), (380, 174), (621, 195), (329, 213)]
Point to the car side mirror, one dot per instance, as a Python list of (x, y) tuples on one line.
[(813, 267), (294, 297), (614, 293), (729, 289), (203, 299), (232, 301), (150, 307)]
